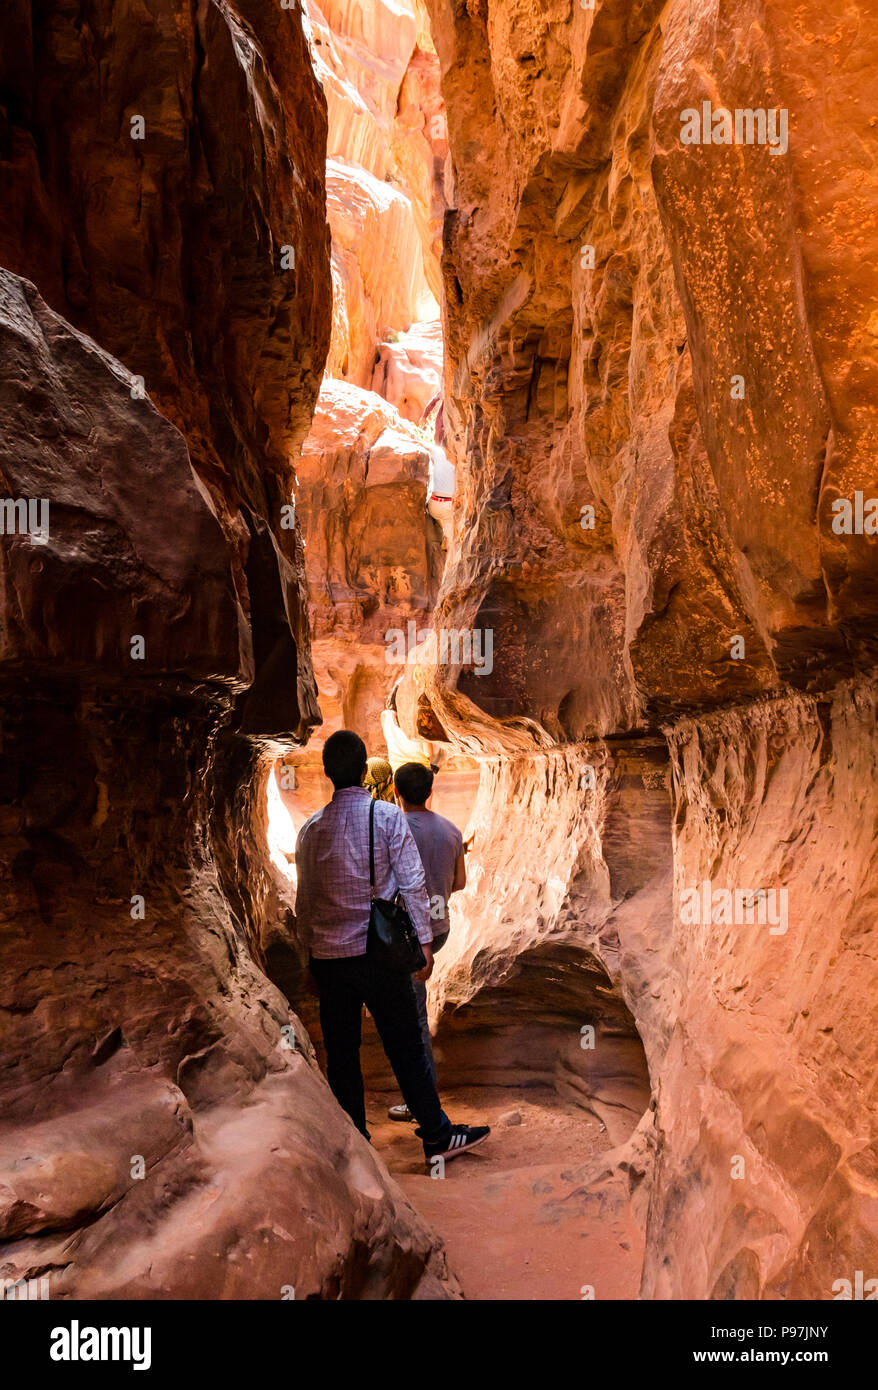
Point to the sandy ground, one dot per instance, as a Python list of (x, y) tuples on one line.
[(516, 1222)]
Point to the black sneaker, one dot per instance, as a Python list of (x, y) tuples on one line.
[(462, 1137)]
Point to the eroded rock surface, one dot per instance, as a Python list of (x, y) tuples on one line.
[(658, 368), (657, 356), (772, 1060), (387, 146), (166, 1131), (374, 556)]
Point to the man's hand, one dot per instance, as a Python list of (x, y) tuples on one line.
[(424, 975)]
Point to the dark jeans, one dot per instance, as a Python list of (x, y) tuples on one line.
[(346, 984), (423, 1021)]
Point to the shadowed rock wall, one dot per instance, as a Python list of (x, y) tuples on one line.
[(164, 320)]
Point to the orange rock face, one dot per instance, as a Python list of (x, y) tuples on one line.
[(374, 557), (385, 201), (765, 1119), (658, 357), (409, 369)]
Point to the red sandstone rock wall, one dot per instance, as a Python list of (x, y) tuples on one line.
[(373, 556), (166, 1131), (606, 285), (385, 182), (167, 249), (773, 1053)]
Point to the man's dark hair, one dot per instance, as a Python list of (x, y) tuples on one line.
[(414, 782), (344, 759)]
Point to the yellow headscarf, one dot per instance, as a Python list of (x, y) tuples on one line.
[(379, 779)]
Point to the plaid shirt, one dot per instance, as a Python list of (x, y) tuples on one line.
[(332, 868)]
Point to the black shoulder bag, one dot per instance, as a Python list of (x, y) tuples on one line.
[(392, 940)]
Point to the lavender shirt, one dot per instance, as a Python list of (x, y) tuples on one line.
[(332, 867)]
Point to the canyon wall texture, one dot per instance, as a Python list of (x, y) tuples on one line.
[(658, 361), (373, 556), (658, 357), (165, 313)]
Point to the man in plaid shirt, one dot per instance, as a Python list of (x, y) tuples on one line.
[(333, 898)]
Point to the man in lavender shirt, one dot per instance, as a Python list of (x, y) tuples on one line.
[(332, 909)]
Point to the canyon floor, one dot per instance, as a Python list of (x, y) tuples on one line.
[(515, 1217)]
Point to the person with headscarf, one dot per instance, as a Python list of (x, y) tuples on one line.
[(379, 779)]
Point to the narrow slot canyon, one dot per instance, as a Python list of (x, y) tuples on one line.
[(397, 366)]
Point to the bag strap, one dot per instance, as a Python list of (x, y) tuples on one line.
[(372, 849)]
